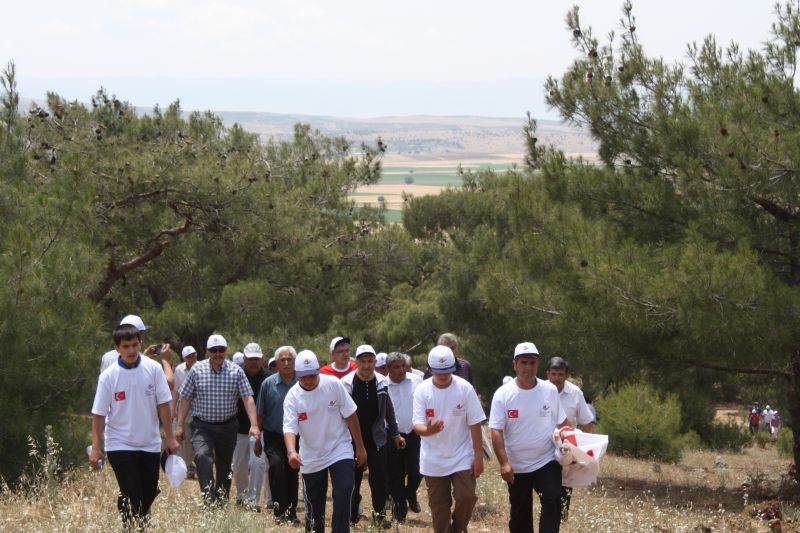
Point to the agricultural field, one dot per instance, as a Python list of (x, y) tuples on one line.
[(426, 177)]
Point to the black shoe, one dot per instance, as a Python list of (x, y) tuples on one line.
[(414, 506)]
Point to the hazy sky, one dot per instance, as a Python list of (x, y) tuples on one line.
[(338, 57)]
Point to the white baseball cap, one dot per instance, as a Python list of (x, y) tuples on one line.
[(253, 351), (187, 351), (441, 360), (306, 364), (134, 320), (339, 340), (215, 341), (380, 360), (271, 360), (525, 348), (238, 358), (364, 349)]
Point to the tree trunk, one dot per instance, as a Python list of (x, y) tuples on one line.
[(794, 409)]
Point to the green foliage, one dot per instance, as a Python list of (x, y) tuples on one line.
[(761, 439), (785, 443), (641, 423), (726, 437), (690, 441)]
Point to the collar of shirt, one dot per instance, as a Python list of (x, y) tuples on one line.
[(125, 365)]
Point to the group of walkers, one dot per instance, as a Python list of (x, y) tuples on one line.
[(373, 413), (767, 419)]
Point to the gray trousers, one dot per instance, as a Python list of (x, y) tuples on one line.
[(213, 446)]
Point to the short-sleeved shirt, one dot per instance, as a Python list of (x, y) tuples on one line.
[(450, 450), (402, 395), (129, 399), (270, 402), (213, 394), (574, 404), (109, 358), (527, 418), (319, 416)]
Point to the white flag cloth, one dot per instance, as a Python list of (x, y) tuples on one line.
[(586, 450)]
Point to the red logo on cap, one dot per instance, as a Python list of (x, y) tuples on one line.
[(513, 413), (119, 396), (429, 413), (302, 416)]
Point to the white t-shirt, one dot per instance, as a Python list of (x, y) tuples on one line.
[(527, 419), (402, 395), (108, 359), (319, 417), (129, 399), (450, 450), (574, 405)]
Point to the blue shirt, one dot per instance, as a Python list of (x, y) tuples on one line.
[(270, 402)]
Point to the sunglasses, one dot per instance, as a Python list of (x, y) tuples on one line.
[(218, 349)]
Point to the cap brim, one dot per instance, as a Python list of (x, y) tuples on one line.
[(448, 370), (304, 373), (536, 355), (253, 356)]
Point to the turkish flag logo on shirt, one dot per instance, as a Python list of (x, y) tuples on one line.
[(302, 416), (513, 413), (119, 396), (429, 413)]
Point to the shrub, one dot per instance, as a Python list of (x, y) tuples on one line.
[(728, 436), (761, 438), (690, 441), (409, 179), (785, 443), (381, 199), (640, 423)]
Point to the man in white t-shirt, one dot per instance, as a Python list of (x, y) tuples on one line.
[(189, 356), (524, 413), (447, 415), (165, 352), (319, 410), (131, 397), (574, 405)]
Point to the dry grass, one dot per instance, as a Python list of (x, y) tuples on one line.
[(632, 495)]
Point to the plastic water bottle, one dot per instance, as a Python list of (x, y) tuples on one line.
[(100, 462), (252, 442)]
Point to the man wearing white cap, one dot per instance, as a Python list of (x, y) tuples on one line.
[(212, 388), (319, 411), (189, 355), (111, 356), (380, 364), (130, 399), (448, 415), (377, 421), (341, 365), (404, 477), (249, 470), (524, 413)]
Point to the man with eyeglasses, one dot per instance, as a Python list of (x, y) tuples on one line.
[(211, 390), (341, 365)]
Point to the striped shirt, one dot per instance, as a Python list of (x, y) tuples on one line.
[(213, 394)]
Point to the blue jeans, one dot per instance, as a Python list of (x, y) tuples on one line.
[(316, 487)]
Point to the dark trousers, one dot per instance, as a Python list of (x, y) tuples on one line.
[(316, 488), (566, 496), (137, 477), (213, 446), (283, 479), (404, 476), (376, 461), (547, 483)]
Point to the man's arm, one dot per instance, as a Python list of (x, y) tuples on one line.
[(477, 450), (355, 432), (183, 410), (499, 445), (98, 427), (165, 414), (290, 440), (250, 408)]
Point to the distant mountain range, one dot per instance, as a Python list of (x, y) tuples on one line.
[(420, 137)]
